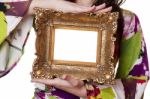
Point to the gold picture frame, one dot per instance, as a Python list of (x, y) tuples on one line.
[(46, 67)]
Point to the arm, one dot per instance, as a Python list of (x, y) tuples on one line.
[(65, 6), (59, 5)]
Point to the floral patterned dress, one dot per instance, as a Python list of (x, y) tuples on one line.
[(132, 74)]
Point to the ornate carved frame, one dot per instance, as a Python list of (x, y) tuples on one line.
[(46, 67)]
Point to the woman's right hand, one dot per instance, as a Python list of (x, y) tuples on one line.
[(64, 6)]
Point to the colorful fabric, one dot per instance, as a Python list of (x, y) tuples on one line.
[(133, 71), (132, 74), (53, 94), (13, 32)]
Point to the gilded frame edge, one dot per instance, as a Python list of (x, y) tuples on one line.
[(101, 73)]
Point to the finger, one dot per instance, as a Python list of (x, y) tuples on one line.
[(44, 81), (102, 6), (71, 80), (57, 82), (74, 82), (82, 9), (104, 10)]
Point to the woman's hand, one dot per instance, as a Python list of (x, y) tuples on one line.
[(59, 5), (66, 6), (66, 83), (102, 9)]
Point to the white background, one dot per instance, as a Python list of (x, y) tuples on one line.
[(17, 85), (72, 49)]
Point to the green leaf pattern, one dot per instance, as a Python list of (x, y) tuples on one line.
[(130, 50)]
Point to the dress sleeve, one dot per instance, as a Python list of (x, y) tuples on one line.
[(133, 72), (14, 30)]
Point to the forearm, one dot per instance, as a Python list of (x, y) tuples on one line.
[(58, 5), (50, 4), (63, 6)]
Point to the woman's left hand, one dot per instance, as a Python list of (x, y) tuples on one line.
[(66, 83)]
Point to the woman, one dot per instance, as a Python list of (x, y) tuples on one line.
[(132, 74)]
